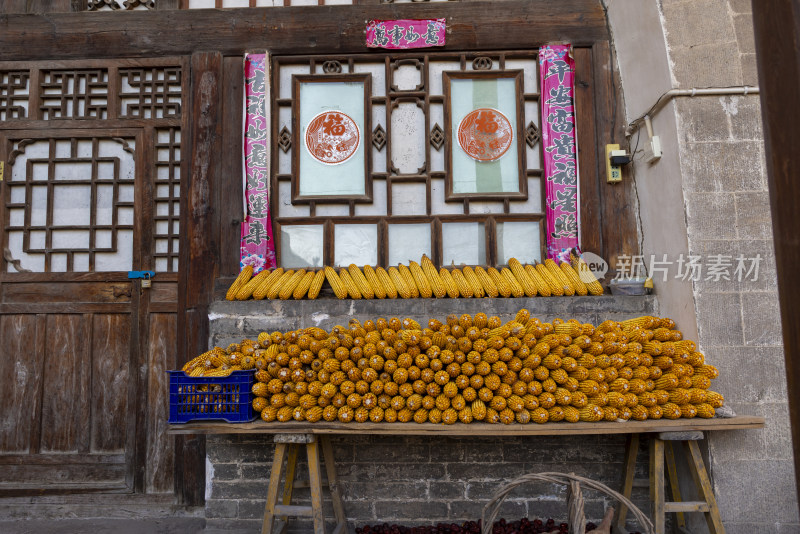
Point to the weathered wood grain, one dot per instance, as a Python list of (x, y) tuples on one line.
[(110, 382), (94, 292), (66, 392), (160, 446), (230, 192), (473, 429), (20, 382), (337, 29)]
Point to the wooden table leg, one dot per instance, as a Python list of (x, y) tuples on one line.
[(288, 485), (698, 469), (657, 483), (672, 472), (333, 485), (272, 489), (629, 470), (315, 481)]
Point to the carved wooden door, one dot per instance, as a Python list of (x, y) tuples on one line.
[(91, 191)]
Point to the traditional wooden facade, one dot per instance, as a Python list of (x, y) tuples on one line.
[(150, 103)]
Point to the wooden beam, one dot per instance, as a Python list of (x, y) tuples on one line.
[(777, 31), (507, 24)]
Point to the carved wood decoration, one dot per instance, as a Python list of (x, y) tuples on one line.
[(14, 94)]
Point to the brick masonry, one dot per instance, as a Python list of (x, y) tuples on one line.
[(710, 43), (414, 480)]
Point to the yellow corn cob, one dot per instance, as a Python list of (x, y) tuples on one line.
[(316, 284), (486, 282), (246, 291), (591, 413), (528, 286), (352, 288), (336, 283), (586, 276), (516, 288), (574, 280), (264, 287), (552, 283), (450, 284), (435, 281), (408, 279), (386, 282), (473, 281), (374, 282), (278, 285), (542, 287), (646, 322), (241, 280), (559, 277), (705, 410), (304, 285), (361, 282), (288, 288), (424, 286), (399, 283), (502, 285), (464, 287)]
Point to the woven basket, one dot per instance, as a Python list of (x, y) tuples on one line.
[(577, 519)]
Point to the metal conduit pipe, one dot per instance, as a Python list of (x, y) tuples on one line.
[(664, 99)]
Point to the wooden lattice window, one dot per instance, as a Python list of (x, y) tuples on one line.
[(70, 203), (13, 94), (87, 174), (407, 210)]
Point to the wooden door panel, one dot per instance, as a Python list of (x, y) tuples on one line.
[(110, 382), (20, 382), (66, 386), (160, 446)]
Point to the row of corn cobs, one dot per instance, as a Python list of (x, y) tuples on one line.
[(420, 280), (478, 369)]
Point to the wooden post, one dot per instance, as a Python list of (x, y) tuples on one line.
[(777, 31), (200, 259)]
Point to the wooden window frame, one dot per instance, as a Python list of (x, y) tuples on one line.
[(297, 81), (519, 129)]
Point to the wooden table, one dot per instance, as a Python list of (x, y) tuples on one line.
[(289, 435)]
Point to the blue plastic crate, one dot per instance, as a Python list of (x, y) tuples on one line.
[(227, 398)]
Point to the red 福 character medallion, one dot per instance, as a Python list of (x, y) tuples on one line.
[(485, 134), (332, 137)]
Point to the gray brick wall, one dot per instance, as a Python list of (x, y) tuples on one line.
[(417, 480), (414, 480)]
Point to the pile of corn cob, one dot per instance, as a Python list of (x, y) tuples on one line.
[(420, 280), (474, 368)]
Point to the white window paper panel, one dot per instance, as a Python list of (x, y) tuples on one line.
[(122, 260), (32, 262), (102, 238), (518, 239), (301, 246), (284, 161), (286, 72), (80, 262), (38, 206), (532, 155), (408, 199), (438, 205), (62, 150), (38, 239), (333, 210), (408, 138), (378, 72), (407, 77), (463, 243), (534, 202), (16, 217), (378, 204), (285, 206), (355, 243), (72, 205), (494, 206), (530, 74), (435, 70), (408, 242), (70, 239), (58, 263)]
